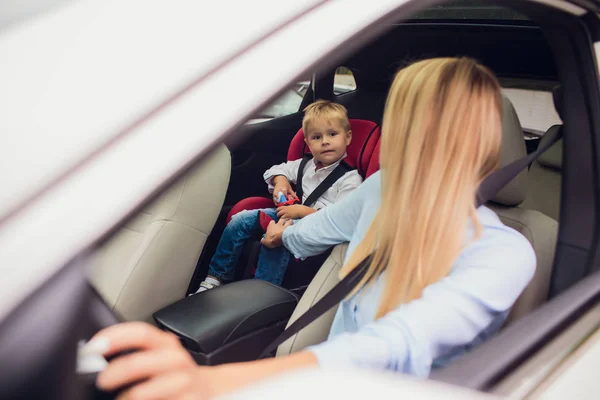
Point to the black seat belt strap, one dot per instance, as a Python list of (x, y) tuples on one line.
[(488, 189), (500, 178), (331, 299), (305, 160), (327, 183)]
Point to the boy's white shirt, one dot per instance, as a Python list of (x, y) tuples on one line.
[(313, 178)]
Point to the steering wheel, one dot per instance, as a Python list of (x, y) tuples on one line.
[(38, 339)]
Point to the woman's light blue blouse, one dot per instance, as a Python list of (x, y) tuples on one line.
[(453, 315)]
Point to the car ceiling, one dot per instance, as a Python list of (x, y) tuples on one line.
[(510, 50)]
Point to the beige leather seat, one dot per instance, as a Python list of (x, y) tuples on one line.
[(543, 191), (538, 228), (149, 263), (323, 282)]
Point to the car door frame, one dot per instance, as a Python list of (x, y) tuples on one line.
[(576, 281)]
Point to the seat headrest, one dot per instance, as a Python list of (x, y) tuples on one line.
[(558, 101), (513, 148), (551, 158), (360, 153)]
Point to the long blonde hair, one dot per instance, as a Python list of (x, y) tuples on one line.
[(441, 136)]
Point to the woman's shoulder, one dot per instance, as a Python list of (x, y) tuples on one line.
[(500, 245), (496, 234), (496, 266), (372, 183), (368, 193)]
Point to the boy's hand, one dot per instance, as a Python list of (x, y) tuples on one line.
[(281, 184), (294, 211), (274, 233)]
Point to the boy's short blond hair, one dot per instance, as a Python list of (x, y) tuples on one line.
[(325, 109)]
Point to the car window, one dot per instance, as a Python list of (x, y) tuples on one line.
[(288, 103), (535, 108), (343, 82)]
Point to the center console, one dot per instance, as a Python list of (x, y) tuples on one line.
[(230, 323)]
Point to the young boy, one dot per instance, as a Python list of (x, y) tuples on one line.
[(327, 134)]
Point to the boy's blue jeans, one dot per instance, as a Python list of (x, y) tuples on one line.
[(272, 263)]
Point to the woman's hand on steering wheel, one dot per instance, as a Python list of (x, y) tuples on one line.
[(160, 369)]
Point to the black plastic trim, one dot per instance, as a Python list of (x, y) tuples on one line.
[(38, 339), (245, 348)]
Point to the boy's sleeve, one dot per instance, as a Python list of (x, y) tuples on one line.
[(347, 184), (288, 169)]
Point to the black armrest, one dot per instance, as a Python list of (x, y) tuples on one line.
[(216, 318)]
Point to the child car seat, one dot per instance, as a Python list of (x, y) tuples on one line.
[(362, 154)]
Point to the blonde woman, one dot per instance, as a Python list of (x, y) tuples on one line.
[(444, 274)]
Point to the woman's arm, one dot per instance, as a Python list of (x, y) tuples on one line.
[(332, 225), (233, 376), (487, 279)]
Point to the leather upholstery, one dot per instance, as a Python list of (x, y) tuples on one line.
[(542, 233), (149, 263), (552, 158), (539, 229), (543, 192), (513, 148), (323, 282), (545, 175), (217, 317)]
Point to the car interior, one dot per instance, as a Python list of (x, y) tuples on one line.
[(168, 246), (171, 231), (146, 270)]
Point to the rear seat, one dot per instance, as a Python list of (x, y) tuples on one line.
[(538, 228)]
